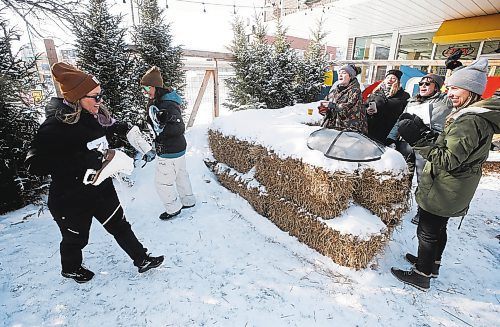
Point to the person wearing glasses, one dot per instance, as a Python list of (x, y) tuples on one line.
[(165, 117), (67, 144), (453, 166), (433, 107)]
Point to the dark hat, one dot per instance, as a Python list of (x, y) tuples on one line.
[(351, 69), (395, 72), (438, 80), (74, 83), (152, 77), (472, 78)]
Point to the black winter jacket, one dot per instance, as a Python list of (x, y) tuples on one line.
[(60, 149), (171, 140), (388, 111)]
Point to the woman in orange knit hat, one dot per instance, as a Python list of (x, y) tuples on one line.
[(67, 145)]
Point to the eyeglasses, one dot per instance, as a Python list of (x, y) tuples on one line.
[(146, 88), (97, 97), (424, 83)]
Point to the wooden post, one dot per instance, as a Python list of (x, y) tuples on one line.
[(216, 90), (50, 49), (203, 87)]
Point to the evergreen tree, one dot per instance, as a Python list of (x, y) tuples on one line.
[(245, 88), (154, 46), (310, 75), (18, 124), (279, 88), (102, 52)]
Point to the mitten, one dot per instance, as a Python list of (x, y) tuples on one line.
[(119, 128), (149, 156), (92, 159), (452, 61), (389, 141), (412, 130)]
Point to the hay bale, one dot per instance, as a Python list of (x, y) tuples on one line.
[(491, 167), (384, 194), (346, 250), (322, 193), (240, 155)]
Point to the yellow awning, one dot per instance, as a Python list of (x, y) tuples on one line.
[(468, 29)]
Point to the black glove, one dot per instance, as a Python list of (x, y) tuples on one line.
[(120, 128), (389, 141), (452, 61), (92, 159), (412, 130)]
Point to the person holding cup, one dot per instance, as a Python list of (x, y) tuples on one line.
[(385, 105), (343, 107)]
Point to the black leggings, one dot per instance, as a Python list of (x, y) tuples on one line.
[(432, 237)]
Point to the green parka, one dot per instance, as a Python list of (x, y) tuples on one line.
[(454, 161)]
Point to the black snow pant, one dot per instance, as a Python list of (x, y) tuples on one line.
[(432, 237), (75, 226)]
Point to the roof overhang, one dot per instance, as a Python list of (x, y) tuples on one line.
[(468, 29)]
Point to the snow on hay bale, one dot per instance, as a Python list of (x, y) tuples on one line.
[(303, 188)]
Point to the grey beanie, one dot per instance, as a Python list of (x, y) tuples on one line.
[(350, 70), (438, 80), (471, 78)]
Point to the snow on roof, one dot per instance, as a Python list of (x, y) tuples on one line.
[(285, 131)]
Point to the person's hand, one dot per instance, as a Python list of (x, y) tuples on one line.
[(149, 156), (323, 108), (389, 141), (452, 61), (412, 130), (92, 159)]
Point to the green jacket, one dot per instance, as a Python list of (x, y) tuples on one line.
[(454, 161)]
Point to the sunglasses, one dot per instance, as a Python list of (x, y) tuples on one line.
[(424, 83), (97, 97), (146, 88)]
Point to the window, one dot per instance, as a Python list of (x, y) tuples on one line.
[(378, 44), (491, 47), (469, 50), (415, 46)]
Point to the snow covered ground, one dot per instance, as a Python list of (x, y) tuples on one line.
[(228, 266)]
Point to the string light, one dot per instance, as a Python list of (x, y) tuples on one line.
[(166, 4), (204, 10)]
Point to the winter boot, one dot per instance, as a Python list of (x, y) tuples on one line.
[(137, 140), (416, 218), (80, 274), (413, 278), (435, 268), (150, 262), (167, 216)]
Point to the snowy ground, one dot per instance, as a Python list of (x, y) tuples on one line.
[(228, 266)]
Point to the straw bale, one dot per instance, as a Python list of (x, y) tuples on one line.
[(322, 193), (240, 155), (384, 194), (345, 250), (491, 167), (258, 200)]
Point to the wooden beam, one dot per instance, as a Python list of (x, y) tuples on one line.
[(203, 87), (50, 50), (216, 90), (208, 54)]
